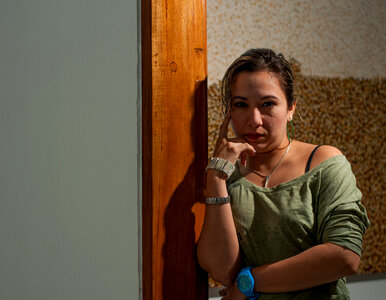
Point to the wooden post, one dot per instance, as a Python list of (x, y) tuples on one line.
[(174, 133)]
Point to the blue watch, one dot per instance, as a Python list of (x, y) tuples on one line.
[(245, 283)]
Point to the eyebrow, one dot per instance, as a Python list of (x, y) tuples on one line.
[(262, 98), (269, 96), (238, 97)]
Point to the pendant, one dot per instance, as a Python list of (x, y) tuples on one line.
[(267, 178)]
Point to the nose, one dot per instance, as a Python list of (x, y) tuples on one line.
[(254, 117)]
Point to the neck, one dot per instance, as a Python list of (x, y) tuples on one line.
[(266, 161)]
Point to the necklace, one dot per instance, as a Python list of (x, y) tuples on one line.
[(268, 177)]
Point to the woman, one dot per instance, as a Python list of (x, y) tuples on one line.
[(283, 218)]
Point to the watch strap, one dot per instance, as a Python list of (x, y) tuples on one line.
[(217, 200), (240, 282)]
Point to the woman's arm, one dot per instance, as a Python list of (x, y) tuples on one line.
[(318, 265), (328, 261), (218, 247)]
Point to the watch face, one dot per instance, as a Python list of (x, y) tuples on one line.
[(244, 283)]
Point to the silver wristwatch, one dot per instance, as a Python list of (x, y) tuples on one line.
[(218, 200)]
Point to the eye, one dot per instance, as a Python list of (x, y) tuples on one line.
[(267, 104), (239, 104)]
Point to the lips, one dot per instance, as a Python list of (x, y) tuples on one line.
[(253, 136)]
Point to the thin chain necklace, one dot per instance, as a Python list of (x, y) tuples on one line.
[(268, 177)]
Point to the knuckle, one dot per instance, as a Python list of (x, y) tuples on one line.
[(231, 147)]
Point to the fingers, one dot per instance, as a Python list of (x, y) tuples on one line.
[(231, 149), (223, 134), (224, 126), (244, 146)]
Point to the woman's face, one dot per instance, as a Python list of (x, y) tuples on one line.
[(259, 110)]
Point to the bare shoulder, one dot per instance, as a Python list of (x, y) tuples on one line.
[(321, 154), (327, 151)]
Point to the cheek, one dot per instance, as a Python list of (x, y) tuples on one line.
[(275, 124)]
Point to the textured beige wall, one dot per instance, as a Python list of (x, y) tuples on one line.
[(342, 38), (333, 41)]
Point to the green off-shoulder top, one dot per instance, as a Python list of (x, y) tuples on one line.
[(272, 224)]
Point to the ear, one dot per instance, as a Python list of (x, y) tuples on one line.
[(291, 111)]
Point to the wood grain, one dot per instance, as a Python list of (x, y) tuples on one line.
[(174, 142)]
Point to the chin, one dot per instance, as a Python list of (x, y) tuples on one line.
[(259, 146), (263, 147)]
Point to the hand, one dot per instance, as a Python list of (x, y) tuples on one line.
[(232, 293), (231, 149)]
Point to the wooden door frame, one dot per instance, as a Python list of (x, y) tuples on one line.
[(174, 146)]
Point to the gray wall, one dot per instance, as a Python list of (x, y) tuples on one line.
[(69, 158)]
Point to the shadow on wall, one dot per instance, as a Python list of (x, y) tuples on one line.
[(179, 253)]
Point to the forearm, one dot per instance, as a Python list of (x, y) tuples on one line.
[(218, 247), (318, 265)]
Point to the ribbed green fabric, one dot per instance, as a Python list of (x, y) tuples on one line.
[(323, 205)]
